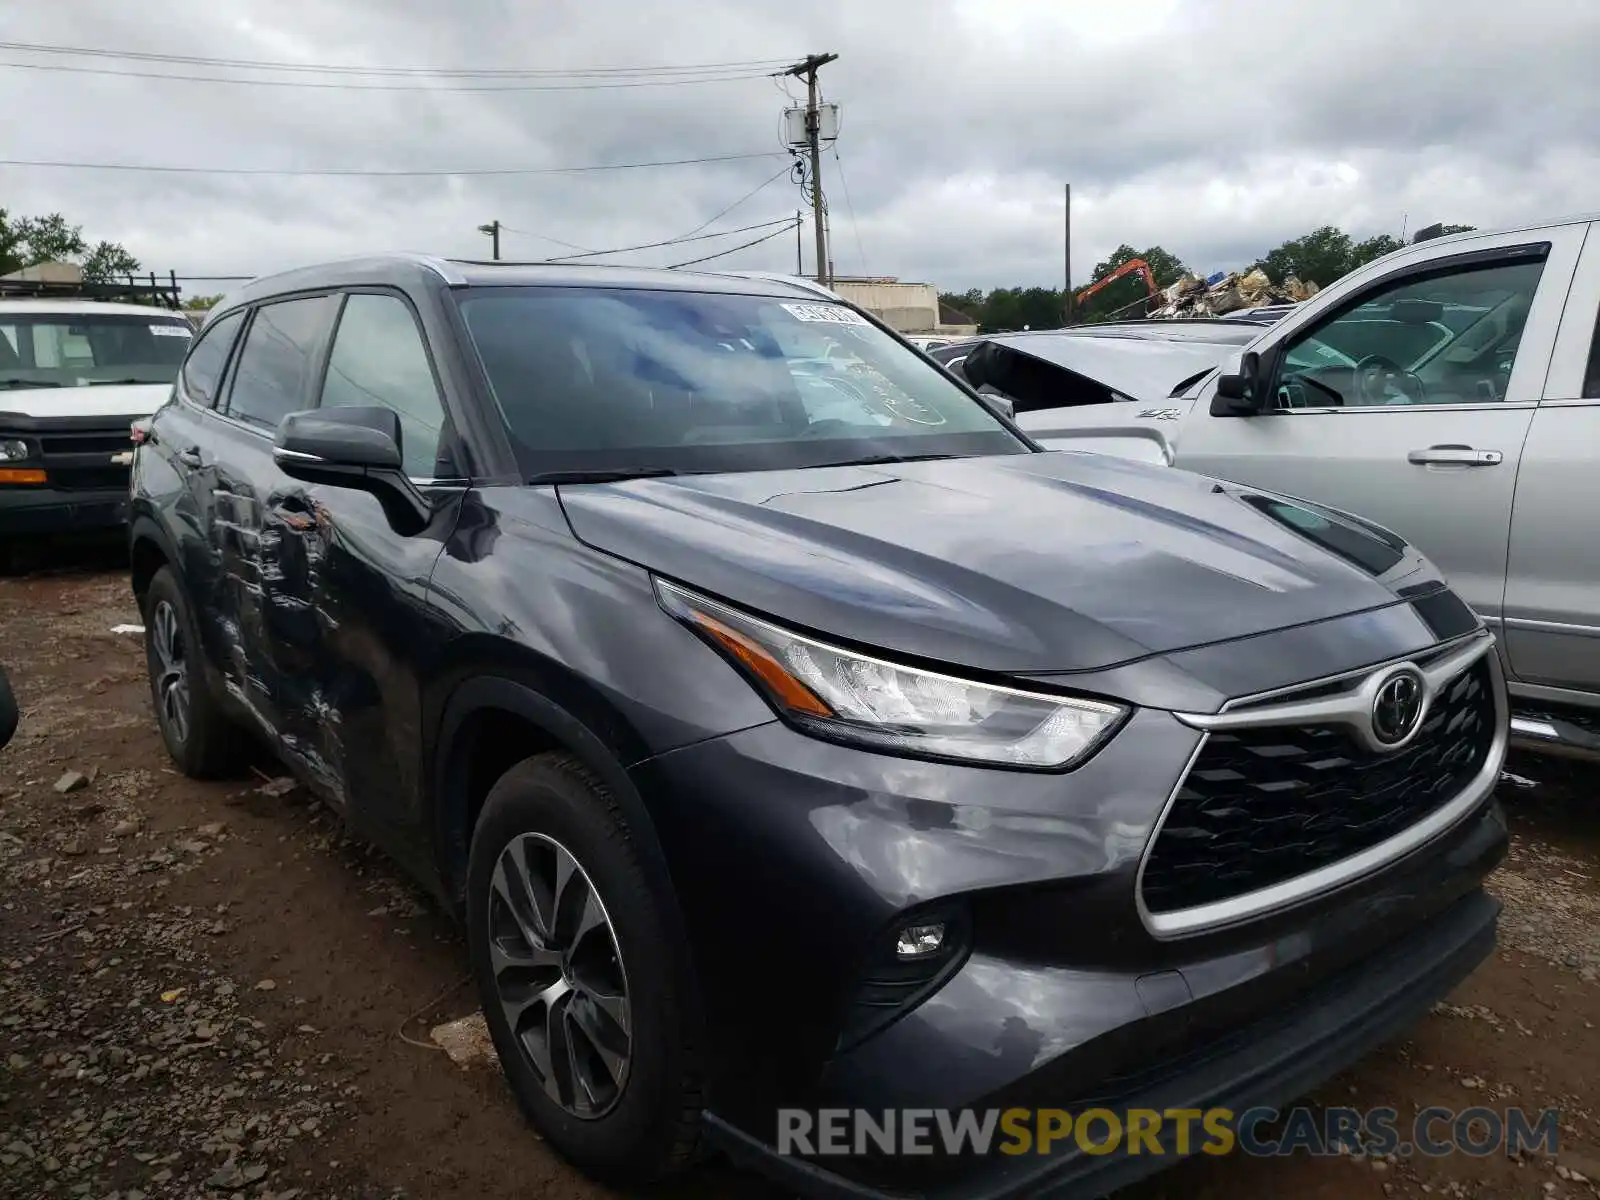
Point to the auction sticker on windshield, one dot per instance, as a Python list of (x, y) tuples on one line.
[(169, 331), (827, 314)]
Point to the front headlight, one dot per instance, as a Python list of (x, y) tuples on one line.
[(14, 450), (845, 696)]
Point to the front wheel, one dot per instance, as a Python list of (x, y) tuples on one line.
[(581, 984)]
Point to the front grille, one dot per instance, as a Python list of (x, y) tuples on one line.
[(80, 459), (1261, 806), (107, 442), (88, 479)]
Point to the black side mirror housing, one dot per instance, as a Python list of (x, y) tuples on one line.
[(1243, 394), (356, 447)]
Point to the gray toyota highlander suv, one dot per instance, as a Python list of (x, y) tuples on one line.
[(791, 732)]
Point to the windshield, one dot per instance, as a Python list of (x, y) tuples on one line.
[(85, 349), (596, 379)]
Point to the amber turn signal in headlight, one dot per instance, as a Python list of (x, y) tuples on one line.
[(22, 475)]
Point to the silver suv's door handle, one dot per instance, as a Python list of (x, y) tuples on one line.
[(1458, 456)]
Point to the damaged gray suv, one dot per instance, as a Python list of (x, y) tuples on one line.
[(791, 733)]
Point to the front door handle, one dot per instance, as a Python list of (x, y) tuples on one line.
[(191, 457), (1455, 456)]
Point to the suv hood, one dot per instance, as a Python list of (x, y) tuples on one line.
[(1024, 563), (109, 400)]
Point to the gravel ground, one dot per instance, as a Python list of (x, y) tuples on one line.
[(208, 990)]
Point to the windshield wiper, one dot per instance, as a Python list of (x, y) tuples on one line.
[(601, 474), (29, 383), (118, 382), (878, 460)]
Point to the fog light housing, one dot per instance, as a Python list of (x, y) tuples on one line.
[(13, 450), (920, 941)]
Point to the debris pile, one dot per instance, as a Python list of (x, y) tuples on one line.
[(1219, 295)]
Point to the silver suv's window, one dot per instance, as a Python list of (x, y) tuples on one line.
[(617, 378), (1446, 338)]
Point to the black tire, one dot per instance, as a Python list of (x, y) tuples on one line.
[(651, 1130), (206, 744)]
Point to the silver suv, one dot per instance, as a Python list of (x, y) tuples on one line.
[(1449, 391)]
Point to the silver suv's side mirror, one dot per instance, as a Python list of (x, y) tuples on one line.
[(1243, 392)]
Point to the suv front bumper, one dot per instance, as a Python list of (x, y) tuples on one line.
[(29, 511), (1269, 1062)]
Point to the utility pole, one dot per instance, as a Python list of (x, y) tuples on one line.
[(807, 70), (1066, 298), (493, 230)]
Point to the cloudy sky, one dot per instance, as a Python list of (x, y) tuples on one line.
[(1214, 128)]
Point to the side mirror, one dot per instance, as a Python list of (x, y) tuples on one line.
[(1241, 393), (1417, 312), (354, 448)]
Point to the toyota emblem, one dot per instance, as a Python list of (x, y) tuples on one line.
[(1397, 708)]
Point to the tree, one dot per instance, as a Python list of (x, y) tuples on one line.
[(1323, 255), (28, 241), (1121, 299), (202, 303), (1319, 257)]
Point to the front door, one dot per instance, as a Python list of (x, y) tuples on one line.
[(1409, 403), (363, 584)]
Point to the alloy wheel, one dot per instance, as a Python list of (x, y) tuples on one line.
[(172, 670), (558, 975)]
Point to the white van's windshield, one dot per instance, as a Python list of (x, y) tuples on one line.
[(64, 350)]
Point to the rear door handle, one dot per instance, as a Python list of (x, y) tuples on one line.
[(1456, 456), (191, 457)]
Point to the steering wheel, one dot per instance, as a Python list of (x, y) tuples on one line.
[(1375, 373)]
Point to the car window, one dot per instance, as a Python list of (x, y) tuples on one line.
[(611, 378), (73, 349), (1591, 376), (280, 349), (203, 368), (379, 357), (1448, 337)]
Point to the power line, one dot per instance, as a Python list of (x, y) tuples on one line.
[(172, 170), (357, 69), (390, 87), (765, 183), (674, 241), (544, 237), (788, 225), (850, 208)]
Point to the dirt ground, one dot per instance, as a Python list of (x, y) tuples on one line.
[(206, 989)]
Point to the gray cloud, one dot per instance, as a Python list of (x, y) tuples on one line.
[(1217, 130)]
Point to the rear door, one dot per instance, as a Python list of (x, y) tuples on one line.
[(267, 650), (1408, 400), (1552, 610)]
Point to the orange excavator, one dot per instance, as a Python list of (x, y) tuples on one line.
[(1128, 268)]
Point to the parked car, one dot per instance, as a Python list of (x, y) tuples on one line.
[(1451, 391), (8, 710), (74, 375), (784, 757)]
